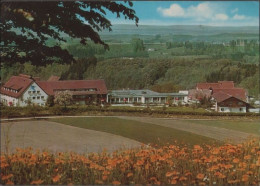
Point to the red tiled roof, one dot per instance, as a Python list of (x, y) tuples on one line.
[(221, 96), (50, 86), (54, 78), (18, 83), (239, 93), (219, 84), (226, 84)]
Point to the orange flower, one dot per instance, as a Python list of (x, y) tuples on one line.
[(116, 182), (9, 182), (173, 182), (235, 160), (56, 178), (248, 157), (169, 174), (37, 182), (7, 177), (129, 174), (183, 178), (99, 182), (245, 178), (104, 177), (200, 176)]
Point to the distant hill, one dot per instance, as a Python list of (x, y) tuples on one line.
[(195, 30)]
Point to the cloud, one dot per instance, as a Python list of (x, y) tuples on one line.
[(174, 11), (234, 10), (239, 17), (203, 11), (222, 17)]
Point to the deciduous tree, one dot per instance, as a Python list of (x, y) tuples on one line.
[(27, 27)]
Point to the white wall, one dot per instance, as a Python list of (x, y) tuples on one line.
[(230, 109), (35, 94), (8, 99)]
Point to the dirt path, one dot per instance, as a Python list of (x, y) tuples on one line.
[(58, 137), (208, 131)]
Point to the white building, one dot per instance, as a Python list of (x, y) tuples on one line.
[(145, 97), (22, 90)]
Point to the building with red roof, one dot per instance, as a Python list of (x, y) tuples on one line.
[(229, 103), (227, 97), (23, 89)]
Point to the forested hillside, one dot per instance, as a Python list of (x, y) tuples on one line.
[(144, 73), (159, 59)]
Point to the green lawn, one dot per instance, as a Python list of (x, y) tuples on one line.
[(243, 126), (142, 132)]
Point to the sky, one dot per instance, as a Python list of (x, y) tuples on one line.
[(214, 13)]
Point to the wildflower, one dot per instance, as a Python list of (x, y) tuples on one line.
[(116, 182), (37, 182), (9, 182), (248, 157), (7, 177), (200, 176), (235, 160), (245, 178), (99, 182), (183, 178), (129, 174), (104, 177), (56, 178), (173, 182)]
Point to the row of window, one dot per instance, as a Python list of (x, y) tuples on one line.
[(38, 97), (30, 92)]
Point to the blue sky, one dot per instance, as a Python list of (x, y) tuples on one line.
[(215, 13)]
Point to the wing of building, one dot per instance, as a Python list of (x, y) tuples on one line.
[(145, 96)]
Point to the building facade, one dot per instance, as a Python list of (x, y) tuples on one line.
[(25, 90), (22, 90), (145, 97)]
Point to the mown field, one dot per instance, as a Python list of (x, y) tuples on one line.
[(139, 131), (252, 126)]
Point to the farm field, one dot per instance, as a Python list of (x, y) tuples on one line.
[(55, 137), (248, 126), (140, 131)]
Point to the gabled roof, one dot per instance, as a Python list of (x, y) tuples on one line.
[(239, 93), (51, 86), (221, 96), (16, 83), (226, 84), (219, 84)]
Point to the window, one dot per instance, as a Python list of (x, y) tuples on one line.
[(29, 92), (42, 97), (33, 97), (222, 109), (38, 92), (34, 91), (241, 109), (38, 97)]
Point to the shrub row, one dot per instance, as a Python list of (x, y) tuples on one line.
[(33, 111)]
